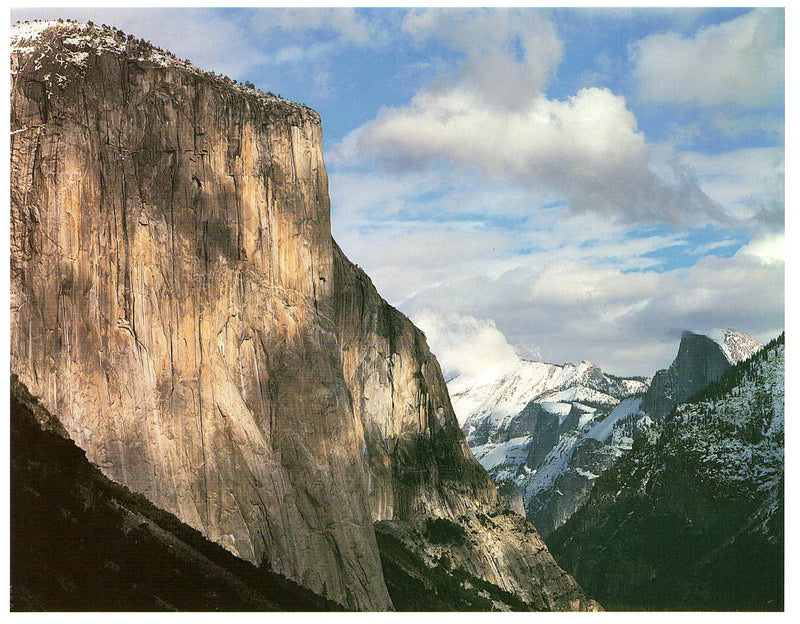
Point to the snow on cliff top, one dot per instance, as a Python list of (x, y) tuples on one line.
[(737, 346), (70, 45), (72, 42)]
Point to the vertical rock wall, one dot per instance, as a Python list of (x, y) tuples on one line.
[(418, 462), (171, 275)]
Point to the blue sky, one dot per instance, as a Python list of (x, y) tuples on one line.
[(559, 184)]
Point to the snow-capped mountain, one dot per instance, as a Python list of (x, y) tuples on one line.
[(483, 408), (693, 517), (544, 432)]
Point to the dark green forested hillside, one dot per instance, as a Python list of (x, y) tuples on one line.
[(692, 519)]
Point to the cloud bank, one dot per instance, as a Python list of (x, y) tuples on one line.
[(466, 345), (740, 62), (573, 310), (491, 116)]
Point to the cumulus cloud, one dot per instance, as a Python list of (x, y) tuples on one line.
[(492, 116), (739, 62), (467, 346), (587, 148)]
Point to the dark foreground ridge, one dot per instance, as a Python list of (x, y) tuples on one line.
[(81, 542)]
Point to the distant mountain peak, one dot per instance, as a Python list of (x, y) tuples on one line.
[(702, 358)]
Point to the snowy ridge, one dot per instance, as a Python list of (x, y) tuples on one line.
[(503, 460), (74, 42), (68, 48), (578, 394), (736, 346), (553, 430), (500, 400), (603, 430)]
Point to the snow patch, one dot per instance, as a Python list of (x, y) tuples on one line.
[(603, 430)]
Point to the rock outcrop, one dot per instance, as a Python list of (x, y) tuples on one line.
[(176, 298), (701, 360)]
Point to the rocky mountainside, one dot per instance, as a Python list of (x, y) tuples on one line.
[(701, 359), (545, 432), (418, 463), (692, 518), (177, 299)]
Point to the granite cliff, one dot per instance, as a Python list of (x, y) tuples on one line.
[(701, 360), (178, 302)]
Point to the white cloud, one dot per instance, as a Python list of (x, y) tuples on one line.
[(492, 117), (301, 54), (346, 23), (422, 253), (626, 322), (586, 148), (739, 62), (769, 249), (466, 345), (509, 55)]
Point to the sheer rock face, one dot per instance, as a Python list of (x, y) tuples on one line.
[(171, 300), (417, 459), (177, 300), (701, 360)]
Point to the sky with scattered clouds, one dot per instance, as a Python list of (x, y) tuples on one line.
[(557, 184)]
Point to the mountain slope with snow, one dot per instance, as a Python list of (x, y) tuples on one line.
[(497, 401), (693, 518), (528, 430), (544, 432)]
